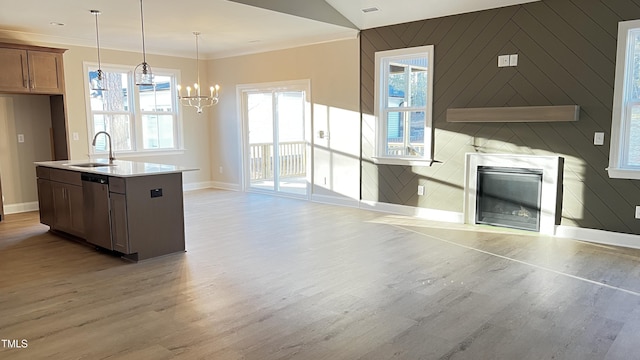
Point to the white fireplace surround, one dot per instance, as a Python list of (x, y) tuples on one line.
[(551, 193)]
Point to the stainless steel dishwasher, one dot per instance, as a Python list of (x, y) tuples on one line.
[(97, 224)]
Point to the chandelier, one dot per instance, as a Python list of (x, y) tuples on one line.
[(197, 100), (142, 72)]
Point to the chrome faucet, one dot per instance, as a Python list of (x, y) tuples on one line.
[(111, 158)]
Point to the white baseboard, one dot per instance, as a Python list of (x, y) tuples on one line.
[(226, 186), (422, 213), (335, 200), (598, 236), (20, 208), (197, 186), (603, 237)]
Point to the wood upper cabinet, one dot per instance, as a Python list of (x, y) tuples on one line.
[(14, 76), (30, 69)]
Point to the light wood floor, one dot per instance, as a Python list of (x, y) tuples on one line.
[(275, 278)]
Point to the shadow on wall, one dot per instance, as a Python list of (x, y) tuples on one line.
[(546, 35)]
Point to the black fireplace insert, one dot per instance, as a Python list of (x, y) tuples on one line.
[(509, 197)]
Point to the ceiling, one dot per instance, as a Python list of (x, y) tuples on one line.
[(228, 27)]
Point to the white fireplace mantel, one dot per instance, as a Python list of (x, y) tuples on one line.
[(551, 193)]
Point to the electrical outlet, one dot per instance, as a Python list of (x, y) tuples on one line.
[(76, 137), (220, 170), (20, 138), (637, 212), (420, 190)]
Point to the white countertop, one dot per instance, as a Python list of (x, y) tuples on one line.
[(119, 168)]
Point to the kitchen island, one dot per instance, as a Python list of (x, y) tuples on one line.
[(133, 209)]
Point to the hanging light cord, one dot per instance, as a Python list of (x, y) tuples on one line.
[(96, 13), (197, 58), (144, 56)]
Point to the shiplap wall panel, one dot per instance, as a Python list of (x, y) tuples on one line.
[(623, 8), (586, 28), (567, 51)]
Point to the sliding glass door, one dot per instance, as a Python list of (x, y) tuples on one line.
[(276, 151)]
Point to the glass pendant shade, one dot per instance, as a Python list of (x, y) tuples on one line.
[(97, 83), (143, 74)]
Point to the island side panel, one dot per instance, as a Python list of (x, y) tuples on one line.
[(155, 215)]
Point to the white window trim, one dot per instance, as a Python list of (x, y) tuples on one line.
[(617, 149), (138, 151), (380, 90)]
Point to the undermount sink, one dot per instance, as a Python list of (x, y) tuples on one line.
[(91, 165)]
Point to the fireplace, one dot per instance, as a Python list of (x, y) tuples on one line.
[(509, 197), (488, 199)]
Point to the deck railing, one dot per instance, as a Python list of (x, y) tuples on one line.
[(292, 160), (400, 149)]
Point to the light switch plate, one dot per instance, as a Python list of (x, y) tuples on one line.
[(75, 136), (637, 212), (598, 138), (513, 60), (503, 60)]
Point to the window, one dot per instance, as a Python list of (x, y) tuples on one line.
[(403, 106), (624, 157), (138, 119)]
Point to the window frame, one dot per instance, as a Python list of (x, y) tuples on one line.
[(136, 115), (382, 60), (618, 151)]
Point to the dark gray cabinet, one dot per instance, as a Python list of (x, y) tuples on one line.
[(61, 200), (119, 222), (119, 215), (145, 215)]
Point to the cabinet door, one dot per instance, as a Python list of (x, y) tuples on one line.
[(45, 72), (45, 201), (14, 76), (68, 207), (119, 223), (76, 210), (61, 207)]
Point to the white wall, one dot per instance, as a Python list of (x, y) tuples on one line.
[(333, 69)]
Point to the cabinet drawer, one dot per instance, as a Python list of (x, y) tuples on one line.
[(43, 172), (65, 176), (117, 185)]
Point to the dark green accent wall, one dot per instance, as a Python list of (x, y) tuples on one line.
[(567, 51)]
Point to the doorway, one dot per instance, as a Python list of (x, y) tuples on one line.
[(276, 129)]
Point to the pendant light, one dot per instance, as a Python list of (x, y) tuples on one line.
[(142, 72), (98, 82), (197, 100)]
